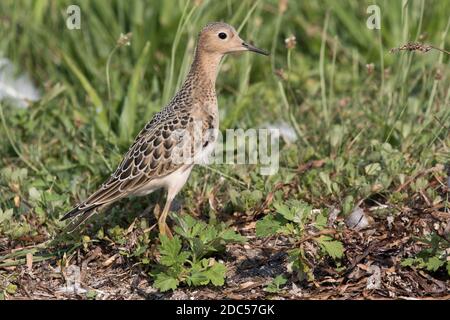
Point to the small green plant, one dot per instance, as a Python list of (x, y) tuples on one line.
[(290, 219), (276, 284), (9, 290), (432, 258), (91, 295), (186, 258)]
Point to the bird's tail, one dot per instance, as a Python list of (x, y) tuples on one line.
[(79, 215), (103, 197)]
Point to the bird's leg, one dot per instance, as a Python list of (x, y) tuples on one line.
[(162, 225), (157, 206)]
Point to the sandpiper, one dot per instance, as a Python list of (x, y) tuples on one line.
[(150, 164)]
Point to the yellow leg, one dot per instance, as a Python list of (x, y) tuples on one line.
[(157, 206), (162, 225)]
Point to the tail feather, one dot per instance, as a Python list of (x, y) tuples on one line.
[(72, 213), (82, 217), (101, 197), (77, 211), (107, 194)]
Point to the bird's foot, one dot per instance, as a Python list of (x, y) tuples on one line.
[(165, 230)]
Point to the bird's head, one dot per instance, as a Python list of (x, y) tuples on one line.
[(221, 38)]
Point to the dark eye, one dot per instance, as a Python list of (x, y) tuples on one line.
[(222, 35)]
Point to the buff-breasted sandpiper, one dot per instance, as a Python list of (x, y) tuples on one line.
[(149, 164)]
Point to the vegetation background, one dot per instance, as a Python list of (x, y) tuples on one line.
[(365, 132)]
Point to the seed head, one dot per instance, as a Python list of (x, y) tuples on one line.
[(290, 42), (412, 46), (124, 39)]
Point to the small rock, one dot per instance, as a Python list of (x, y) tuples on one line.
[(390, 221), (374, 281), (357, 220)]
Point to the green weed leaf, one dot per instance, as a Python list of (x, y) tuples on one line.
[(165, 282), (434, 263), (230, 235), (170, 250), (268, 226), (275, 285), (216, 274), (333, 248)]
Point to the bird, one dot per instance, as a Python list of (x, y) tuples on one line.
[(162, 155)]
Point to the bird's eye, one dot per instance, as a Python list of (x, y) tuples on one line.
[(222, 35)]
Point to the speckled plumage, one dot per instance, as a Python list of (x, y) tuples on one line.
[(149, 164)]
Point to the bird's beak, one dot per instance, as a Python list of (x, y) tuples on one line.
[(249, 47)]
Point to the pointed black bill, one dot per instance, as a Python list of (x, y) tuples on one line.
[(254, 49)]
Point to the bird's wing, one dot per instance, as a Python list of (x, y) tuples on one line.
[(150, 157)]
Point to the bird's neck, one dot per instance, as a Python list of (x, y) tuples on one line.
[(204, 70)]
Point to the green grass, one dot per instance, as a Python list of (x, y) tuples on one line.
[(372, 130)]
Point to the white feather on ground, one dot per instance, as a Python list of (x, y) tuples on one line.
[(285, 131), (16, 88)]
